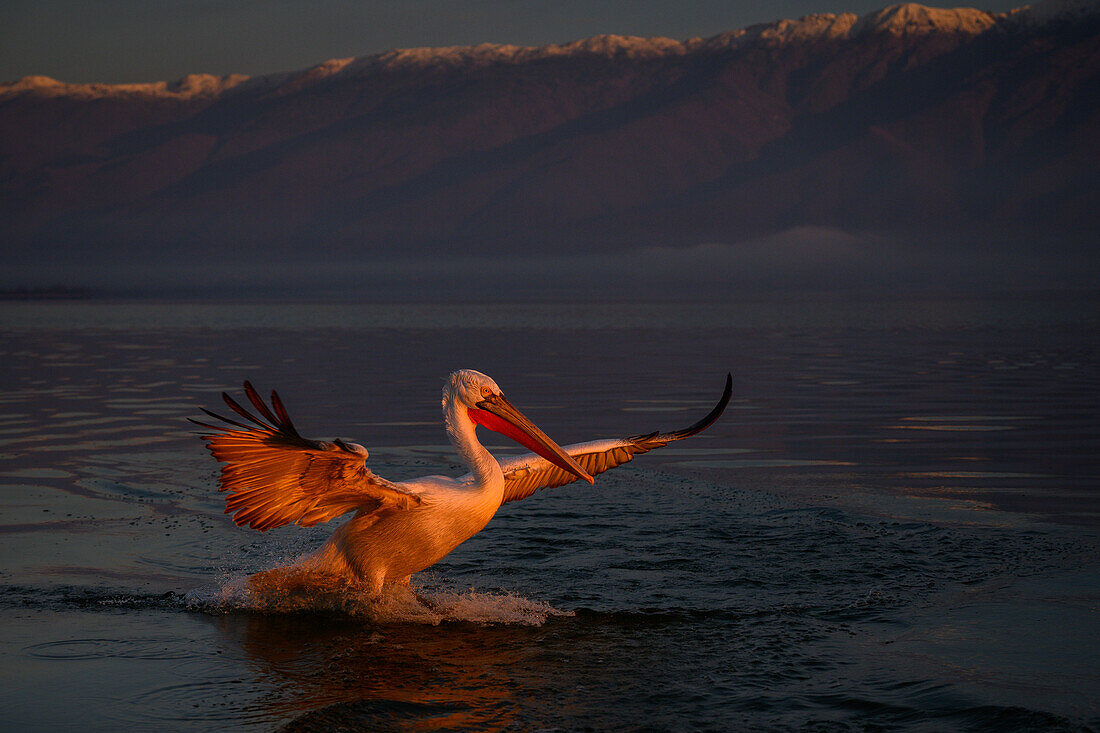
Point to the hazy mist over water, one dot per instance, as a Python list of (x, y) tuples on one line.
[(802, 260)]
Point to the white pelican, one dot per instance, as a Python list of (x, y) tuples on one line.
[(274, 477)]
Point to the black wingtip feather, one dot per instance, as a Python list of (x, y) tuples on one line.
[(280, 410), (706, 422), (258, 403), (225, 419), (282, 430), (711, 417), (236, 407), (205, 425)]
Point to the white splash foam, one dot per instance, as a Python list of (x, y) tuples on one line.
[(494, 608), (398, 604)]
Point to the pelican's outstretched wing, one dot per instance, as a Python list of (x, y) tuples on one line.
[(274, 476), (527, 473)]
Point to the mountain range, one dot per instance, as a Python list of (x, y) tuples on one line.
[(944, 123)]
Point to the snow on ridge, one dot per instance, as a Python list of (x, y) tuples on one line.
[(906, 19), (913, 19), (289, 81), (900, 20), (327, 68), (189, 87), (608, 46), (821, 26)]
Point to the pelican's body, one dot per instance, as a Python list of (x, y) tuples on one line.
[(275, 477), (408, 542)]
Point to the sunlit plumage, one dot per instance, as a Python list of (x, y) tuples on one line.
[(273, 477)]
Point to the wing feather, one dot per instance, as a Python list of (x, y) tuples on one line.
[(527, 473), (254, 398), (273, 476)]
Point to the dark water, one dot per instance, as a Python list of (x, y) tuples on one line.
[(894, 527)]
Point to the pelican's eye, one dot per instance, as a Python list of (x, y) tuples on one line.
[(486, 392)]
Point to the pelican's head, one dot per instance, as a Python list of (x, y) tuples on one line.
[(469, 387), (485, 404)]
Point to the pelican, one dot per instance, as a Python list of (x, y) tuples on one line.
[(273, 476)]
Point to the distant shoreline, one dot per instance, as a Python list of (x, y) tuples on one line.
[(55, 293)]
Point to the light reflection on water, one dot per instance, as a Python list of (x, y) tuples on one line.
[(862, 539)]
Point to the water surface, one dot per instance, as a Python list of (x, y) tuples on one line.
[(893, 526)]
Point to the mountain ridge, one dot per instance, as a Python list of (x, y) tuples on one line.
[(909, 118), (899, 19)]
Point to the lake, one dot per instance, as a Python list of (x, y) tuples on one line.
[(893, 527)]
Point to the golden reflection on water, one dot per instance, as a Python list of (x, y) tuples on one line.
[(459, 676), (326, 653)]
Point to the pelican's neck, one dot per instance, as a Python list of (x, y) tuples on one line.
[(460, 429)]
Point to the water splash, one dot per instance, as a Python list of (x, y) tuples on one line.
[(285, 593)]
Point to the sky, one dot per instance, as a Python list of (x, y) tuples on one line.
[(120, 41)]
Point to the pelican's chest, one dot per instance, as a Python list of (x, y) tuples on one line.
[(470, 509)]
